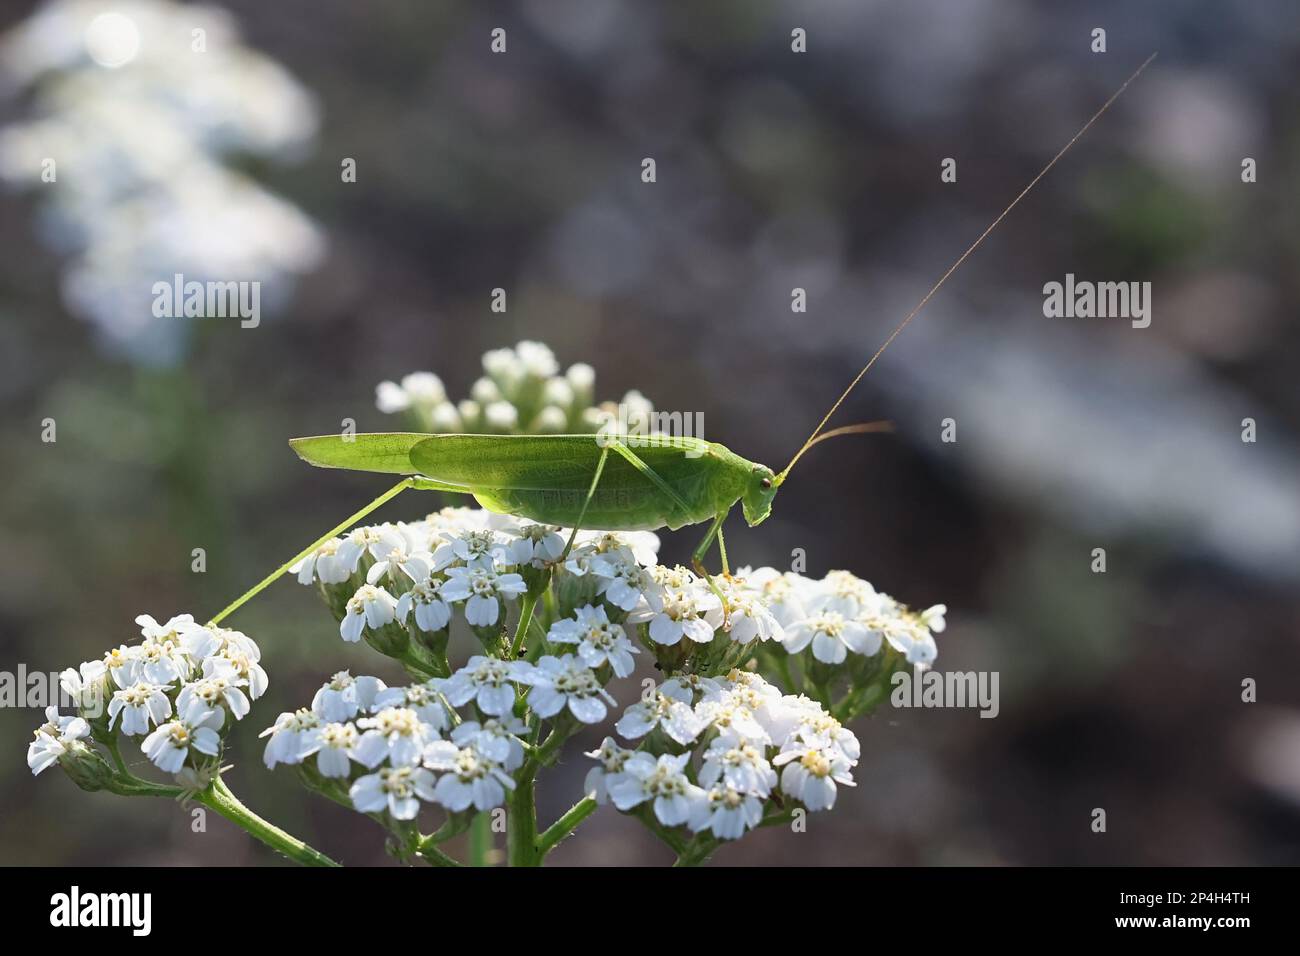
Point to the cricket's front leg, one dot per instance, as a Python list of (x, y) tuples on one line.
[(697, 561), (591, 493)]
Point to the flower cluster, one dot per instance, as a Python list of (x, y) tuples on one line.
[(520, 392), (719, 746), (177, 690), (711, 750), (841, 613), (452, 741), (403, 588)]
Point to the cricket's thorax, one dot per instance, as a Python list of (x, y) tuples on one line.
[(626, 499)]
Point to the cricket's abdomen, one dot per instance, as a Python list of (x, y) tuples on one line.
[(546, 478), (624, 500), (613, 508)]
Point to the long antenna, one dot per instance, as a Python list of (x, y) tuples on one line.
[(953, 268)]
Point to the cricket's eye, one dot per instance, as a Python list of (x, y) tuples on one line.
[(765, 483)]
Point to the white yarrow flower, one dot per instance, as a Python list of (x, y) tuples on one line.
[(664, 781), (738, 765), (346, 696), (170, 744), (693, 612), (139, 706), (832, 636), (678, 719), (293, 737), (470, 777), (371, 607), (398, 790), (598, 640), (497, 738), (432, 613), (728, 812), (811, 774), (326, 564), (333, 745), (608, 773), (57, 736), (395, 734), (488, 682), (537, 545), (215, 695), (558, 682), (480, 589)]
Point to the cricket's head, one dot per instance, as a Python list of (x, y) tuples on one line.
[(759, 492)]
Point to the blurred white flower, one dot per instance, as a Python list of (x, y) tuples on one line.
[(142, 126)]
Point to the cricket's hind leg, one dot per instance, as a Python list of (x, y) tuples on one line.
[(347, 523)]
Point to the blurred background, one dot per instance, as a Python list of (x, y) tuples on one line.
[(775, 170)]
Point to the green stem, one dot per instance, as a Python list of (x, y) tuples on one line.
[(783, 668), (696, 852), (116, 753), (480, 839), (219, 798), (337, 529), (525, 619), (553, 742), (128, 785), (562, 827), (521, 823), (777, 819), (647, 818), (427, 848)]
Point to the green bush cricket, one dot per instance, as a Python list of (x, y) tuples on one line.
[(611, 482)]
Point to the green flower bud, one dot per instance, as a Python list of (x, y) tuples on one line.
[(87, 768)]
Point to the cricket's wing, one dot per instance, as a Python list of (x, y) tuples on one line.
[(546, 477), (387, 452)]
